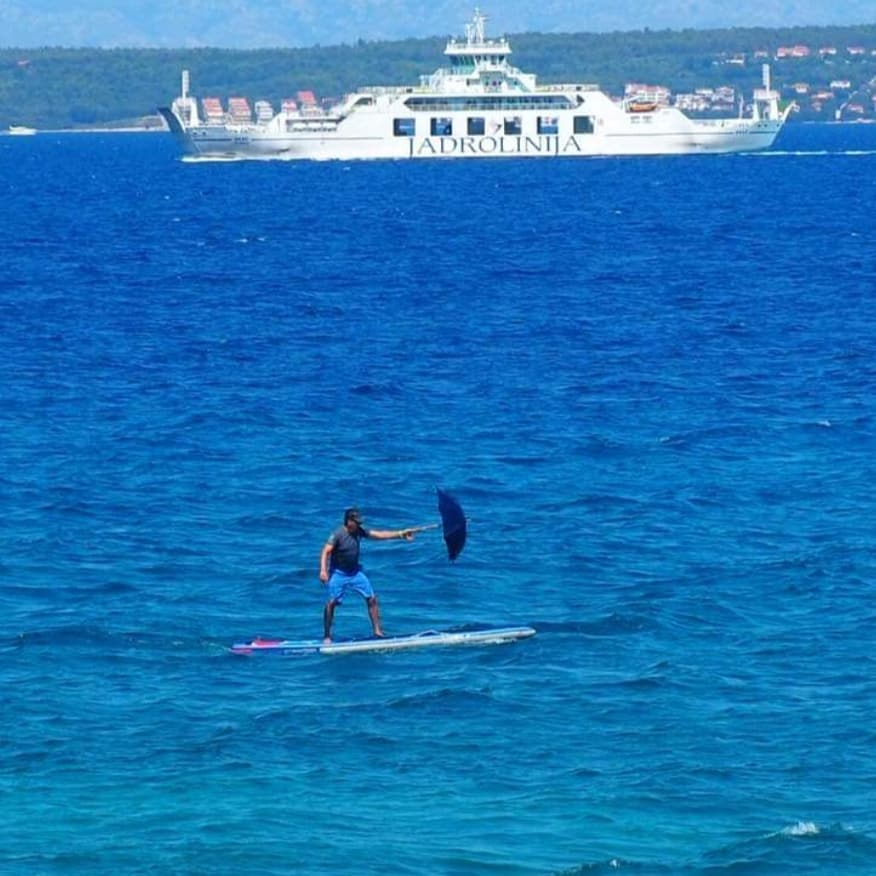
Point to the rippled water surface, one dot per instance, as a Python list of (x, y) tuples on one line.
[(650, 382)]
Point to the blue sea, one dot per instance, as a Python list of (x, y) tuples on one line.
[(651, 384)]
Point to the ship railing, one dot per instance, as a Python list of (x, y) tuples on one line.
[(572, 86), (391, 90), (467, 46)]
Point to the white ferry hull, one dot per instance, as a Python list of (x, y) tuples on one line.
[(255, 142), (479, 107)]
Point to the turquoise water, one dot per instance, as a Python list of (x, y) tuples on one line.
[(648, 381)]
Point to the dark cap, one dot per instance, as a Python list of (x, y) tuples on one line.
[(352, 514)]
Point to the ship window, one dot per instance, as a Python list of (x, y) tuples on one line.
[(403, 127), (441, 127), (583, 125), (513, 125), (548, 125), (476, 126)]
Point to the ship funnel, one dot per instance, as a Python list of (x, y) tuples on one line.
[(185, 84), (765, 73)]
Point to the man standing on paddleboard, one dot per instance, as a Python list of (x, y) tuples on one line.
[(340, 571)]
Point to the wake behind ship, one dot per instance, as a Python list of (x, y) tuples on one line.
[(479, 106)]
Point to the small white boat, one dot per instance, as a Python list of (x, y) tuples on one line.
[(479, 106), (21, 131)]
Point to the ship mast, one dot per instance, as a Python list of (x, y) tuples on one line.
[(475, 30), (766, 100)]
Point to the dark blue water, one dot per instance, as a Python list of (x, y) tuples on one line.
[(650, 382)]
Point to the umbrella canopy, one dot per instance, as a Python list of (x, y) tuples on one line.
[(453, 522)]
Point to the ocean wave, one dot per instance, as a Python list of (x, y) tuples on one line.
[(615, 624), (444, 698), (803, 847), (814, 153), (802, 828)]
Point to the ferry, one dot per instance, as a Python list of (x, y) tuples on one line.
[(21, 131), (477, 106)]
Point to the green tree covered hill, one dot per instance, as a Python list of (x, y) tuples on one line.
[(62, 88)]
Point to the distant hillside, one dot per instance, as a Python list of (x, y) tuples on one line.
[(60, 88), (268, 23)]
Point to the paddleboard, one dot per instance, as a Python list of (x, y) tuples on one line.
[(426, 639)]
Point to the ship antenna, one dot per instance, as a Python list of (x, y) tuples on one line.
[(476, 32)]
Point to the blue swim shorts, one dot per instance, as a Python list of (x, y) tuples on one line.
[(341, 583)]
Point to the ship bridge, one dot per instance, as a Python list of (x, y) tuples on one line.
[(476, 45), (478, 65)]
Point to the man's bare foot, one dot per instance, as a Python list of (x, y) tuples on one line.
[(379, 634)]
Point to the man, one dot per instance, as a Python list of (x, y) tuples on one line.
[(340, 571)]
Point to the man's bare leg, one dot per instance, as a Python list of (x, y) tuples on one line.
[(374, 614), (328, 615)]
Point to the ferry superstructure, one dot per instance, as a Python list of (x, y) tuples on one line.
[(478, 106)]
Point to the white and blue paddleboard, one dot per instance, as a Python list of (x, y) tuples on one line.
[(426, 639)]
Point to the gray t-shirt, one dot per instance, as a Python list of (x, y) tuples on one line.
[(345, 549)]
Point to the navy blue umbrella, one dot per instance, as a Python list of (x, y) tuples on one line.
[(453, 523)]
